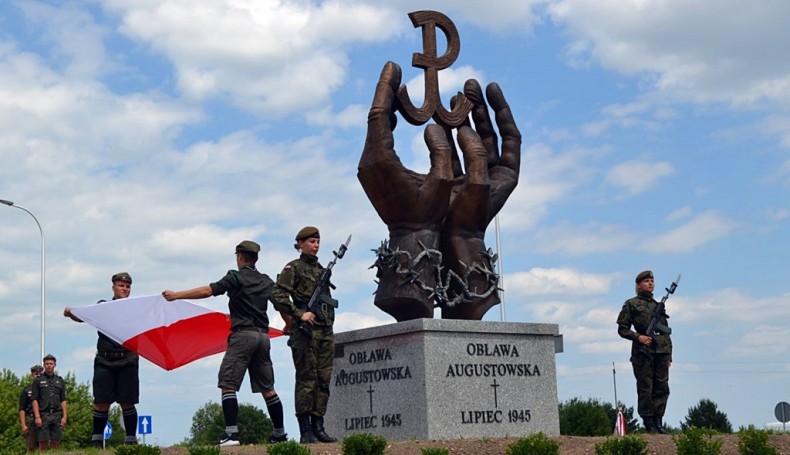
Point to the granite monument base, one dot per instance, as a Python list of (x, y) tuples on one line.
[(445, 379)]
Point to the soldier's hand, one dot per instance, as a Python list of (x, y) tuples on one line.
[(308, 317)]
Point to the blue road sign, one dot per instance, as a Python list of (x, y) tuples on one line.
[(144, 425), (107, 431)]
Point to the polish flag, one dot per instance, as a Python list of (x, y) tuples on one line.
[(169, 334), (620, 427)]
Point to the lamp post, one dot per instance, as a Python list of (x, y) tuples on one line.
[(43, 305)]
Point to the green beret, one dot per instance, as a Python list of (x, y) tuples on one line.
[(308, 232), (123, 276), (36, 369), (644, 275), (248, 246)]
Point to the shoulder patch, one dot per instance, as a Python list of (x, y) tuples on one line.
[(287, 267)]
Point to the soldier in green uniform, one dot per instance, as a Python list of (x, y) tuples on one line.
[(249, 292), (50, 407), (26, 417), (650, 369), (312, 354), (116, 374)]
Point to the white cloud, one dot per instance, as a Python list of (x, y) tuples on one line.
[(763, 340), (547, 176), (590, 238), (267, 57), (702, 51), (545, 281), (702, 229), (637, 176)]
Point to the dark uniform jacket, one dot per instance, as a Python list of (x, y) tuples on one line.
[(49, 391), (295, 286), (249, 292), (26, 401), (638, 312)]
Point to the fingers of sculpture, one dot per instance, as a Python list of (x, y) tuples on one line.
[(380, 144), (482, 120), (511, 136), (383, 108), (475, 156), (440, 151)]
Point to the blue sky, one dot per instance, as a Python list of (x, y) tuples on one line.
[(152, 136)]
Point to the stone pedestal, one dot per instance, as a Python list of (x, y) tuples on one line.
[(445, 379)]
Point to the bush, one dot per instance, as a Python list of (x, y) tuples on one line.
[(697, 441), (585, 418), (140, 449), (707, 415), (435, 451), (627, 445), (752, 441), (287, 448), (363, 444), (203, 450), (535, 444)]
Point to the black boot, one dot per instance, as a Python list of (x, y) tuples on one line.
[(660, 425), (318, 429), (650, 424), (305, 429)]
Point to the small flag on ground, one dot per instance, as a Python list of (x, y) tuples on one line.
[(619, 426), (169, 334)]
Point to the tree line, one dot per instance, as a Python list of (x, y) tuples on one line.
[(592, 417)]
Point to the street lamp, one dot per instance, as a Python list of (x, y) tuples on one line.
[(11, 204)]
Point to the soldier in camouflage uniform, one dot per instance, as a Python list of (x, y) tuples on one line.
[(49, 406), (26, 417), (651, 371), (312, 355)]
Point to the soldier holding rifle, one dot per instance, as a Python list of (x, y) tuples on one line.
[(302, 296), (651, 349)]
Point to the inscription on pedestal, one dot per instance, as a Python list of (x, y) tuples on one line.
[(409, 381)]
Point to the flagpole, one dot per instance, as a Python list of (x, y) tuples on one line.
[(620, 425), (614, 380), (501, 283)]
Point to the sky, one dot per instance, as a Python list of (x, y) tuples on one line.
[(152, 136)]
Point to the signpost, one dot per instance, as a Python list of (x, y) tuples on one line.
[(144, 426), (107, 434), (782, 413)]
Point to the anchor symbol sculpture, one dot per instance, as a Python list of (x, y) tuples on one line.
[(431, 64)]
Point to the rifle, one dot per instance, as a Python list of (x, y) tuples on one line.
[(320, 300), (656, 327)]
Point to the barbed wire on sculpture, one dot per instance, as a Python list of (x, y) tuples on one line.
[(409, 270)]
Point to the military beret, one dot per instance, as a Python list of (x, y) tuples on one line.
[(36, 368), (248, 246), (123, 276), (644, 275), (307, 232)]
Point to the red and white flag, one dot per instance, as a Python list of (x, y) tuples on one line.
[(169, 334), (620, 426)]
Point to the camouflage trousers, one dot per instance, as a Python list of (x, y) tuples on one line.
[(313, 357), (652, 383)]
